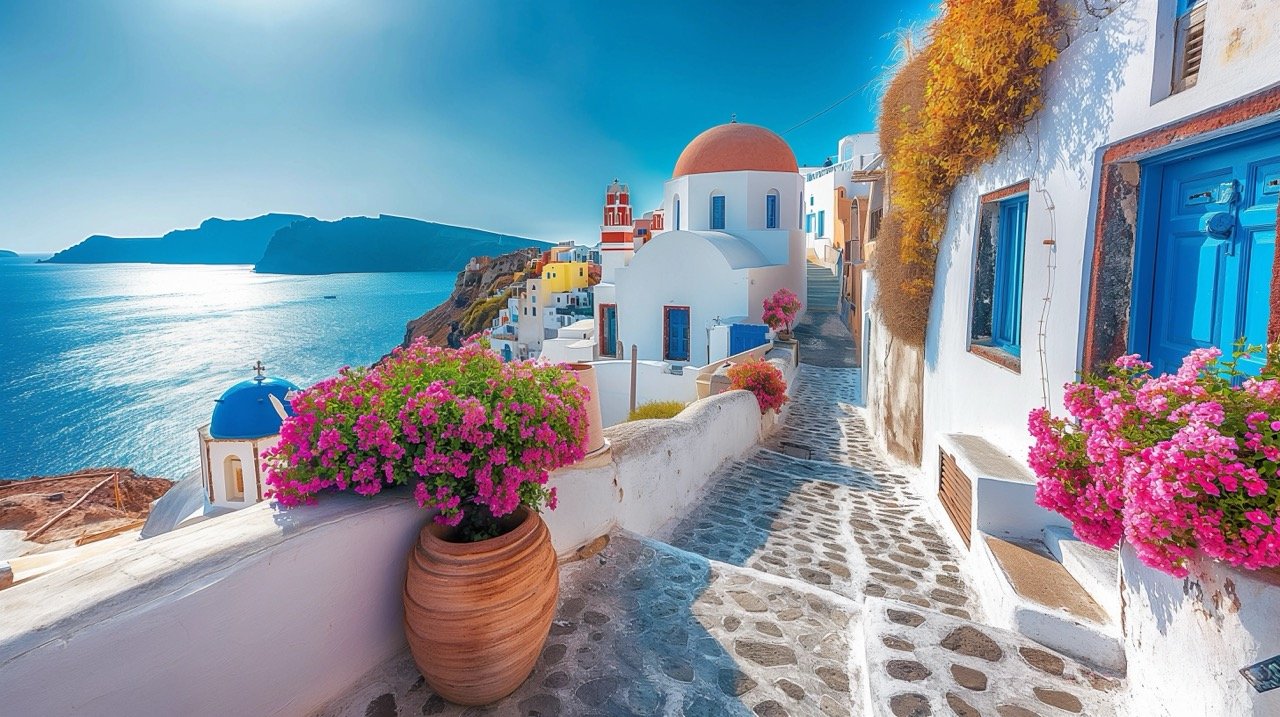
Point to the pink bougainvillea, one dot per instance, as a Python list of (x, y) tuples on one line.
[(761, 378), (780, 309), (474, 436), (1174, 464)]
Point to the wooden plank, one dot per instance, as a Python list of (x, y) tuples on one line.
[(110, 532)]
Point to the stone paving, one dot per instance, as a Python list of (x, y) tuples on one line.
[(921, 662), (647, 629), (810, 579)]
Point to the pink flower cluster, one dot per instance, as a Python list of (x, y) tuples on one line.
[(467, 430), (761, 378), (780, 309), (1176, 464)]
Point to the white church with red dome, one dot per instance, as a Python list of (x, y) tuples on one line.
[(727, 236)]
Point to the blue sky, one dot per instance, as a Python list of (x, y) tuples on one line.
[(135, 117)]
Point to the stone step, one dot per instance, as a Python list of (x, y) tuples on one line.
[(921, 662), (1034, 594), (1097, 570)]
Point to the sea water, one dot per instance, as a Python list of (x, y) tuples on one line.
[(120, 364)]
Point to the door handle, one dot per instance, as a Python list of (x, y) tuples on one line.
[(1219, 225)]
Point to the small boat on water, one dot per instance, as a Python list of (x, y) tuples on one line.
[(330, 296)]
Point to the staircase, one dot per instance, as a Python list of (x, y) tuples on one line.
[(1033, 575)]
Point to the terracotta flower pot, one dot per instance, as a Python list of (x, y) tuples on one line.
[(586, 375), (478, 614)]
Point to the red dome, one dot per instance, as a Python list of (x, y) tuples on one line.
[(735, 147)]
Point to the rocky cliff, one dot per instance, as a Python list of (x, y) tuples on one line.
[(385, 243), (478, 293)]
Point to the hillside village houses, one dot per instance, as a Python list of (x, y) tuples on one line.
[(553, 293)]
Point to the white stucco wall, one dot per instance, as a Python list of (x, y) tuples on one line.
[(1100, 91), (263, 612), (744, 194), (1187, 639), (214, 453), (654, 382), (677, 269), (240, 615)]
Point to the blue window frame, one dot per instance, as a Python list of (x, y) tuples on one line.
[(771, 211), (822, 222), (717, 211), (675, 339), (808, 223), (1006, 296), (676, 211)]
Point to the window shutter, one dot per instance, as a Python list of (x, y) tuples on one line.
[(1189, 49)]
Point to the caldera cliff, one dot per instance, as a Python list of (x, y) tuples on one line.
[(479, 292)]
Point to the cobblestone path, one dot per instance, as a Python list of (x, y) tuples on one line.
[(814, 585)]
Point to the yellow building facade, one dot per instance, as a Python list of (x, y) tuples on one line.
[(562, 276)]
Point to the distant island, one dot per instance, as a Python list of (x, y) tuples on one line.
[(382, 244), (6, 253), (215, 241), (294, 244)]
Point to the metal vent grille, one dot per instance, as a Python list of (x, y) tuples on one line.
[(955, 490), (1190, 48)]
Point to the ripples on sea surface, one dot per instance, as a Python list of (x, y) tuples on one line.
[(119, 364)]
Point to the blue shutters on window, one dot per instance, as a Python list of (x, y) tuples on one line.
[(717, 212), (822, 221), (771, 211), (676, 338), (609, 332), (1006, 301), (808, 223), (677, 213)]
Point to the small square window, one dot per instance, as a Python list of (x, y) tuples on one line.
[(998, 276)]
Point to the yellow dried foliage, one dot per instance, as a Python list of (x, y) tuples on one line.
[(947, 111)]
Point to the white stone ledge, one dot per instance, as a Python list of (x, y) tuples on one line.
[(269, 612)]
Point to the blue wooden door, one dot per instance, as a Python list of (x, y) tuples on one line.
[(677, 333), (609, 329), (1214, 251)]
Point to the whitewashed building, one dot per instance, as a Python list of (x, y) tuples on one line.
[(728, 235), (829, 190), (1136, 213), (245, 423)]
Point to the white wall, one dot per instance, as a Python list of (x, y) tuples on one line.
[(568, 350), (1099, 91), (239, 615), (676, 269), (863, 145), (262, 612), (744, 194), (654, 382), (1186, 639), (657, 468)]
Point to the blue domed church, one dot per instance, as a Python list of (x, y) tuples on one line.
[(246, 421)]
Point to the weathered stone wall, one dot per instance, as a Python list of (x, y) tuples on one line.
[(893, 382)]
